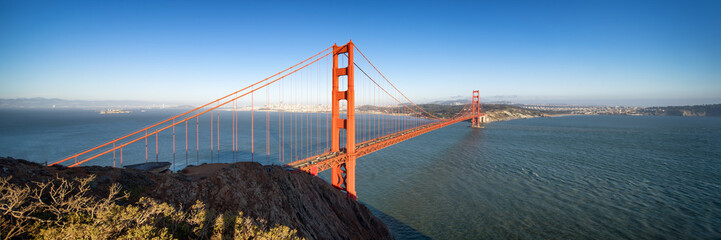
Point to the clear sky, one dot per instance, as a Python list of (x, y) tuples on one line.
[(577, 52)]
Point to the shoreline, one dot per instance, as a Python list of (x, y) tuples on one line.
[(563, 115)]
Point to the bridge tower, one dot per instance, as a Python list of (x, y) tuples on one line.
[(343, 175), (476, 108)]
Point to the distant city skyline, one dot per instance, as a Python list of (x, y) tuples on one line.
[(637, 53)]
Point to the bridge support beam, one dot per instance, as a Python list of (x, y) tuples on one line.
[(343, 175), (476, 108)]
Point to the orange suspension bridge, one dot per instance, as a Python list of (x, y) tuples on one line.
[(289, 119)]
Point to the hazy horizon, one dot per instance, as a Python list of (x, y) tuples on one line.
[(489, 100)]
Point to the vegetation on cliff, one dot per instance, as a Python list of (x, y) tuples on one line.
[(64, 209), (212, 201), (504, 112)]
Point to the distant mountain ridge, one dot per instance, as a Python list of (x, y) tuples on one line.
[(710, 110), (45, 103), (464, 101)]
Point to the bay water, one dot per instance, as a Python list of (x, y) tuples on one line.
[(575, 177)]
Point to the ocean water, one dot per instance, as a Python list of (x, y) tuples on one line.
[(576, 177), (47, 136), (43, 135)]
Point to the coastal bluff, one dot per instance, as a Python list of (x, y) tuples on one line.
[(269, 194), (502, 112)]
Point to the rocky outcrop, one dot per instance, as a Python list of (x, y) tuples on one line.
[(270, 193), (505, 114)]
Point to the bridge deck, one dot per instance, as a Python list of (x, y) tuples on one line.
[(327, 160)]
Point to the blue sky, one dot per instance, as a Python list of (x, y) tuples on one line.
[(577, 52)]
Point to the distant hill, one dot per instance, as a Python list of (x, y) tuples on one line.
[(45, 103), (450, 102), (464, 101), (710, 110), (500, 112), (495, 112)]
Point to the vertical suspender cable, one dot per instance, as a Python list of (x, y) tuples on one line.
[(294, 136), (212, 129), (237, 126), (292, 118), (156, 147), (319, 114), (309, 111), (252, 133), (218, 133), (327, 114), (173, 144), (280, 129), (186, 143), (309, 130), (282, 120), (232, 132), (267, 125), (197, 140), (237, 137), (300, 101)]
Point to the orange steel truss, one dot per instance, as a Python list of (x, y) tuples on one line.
[(343, 173)]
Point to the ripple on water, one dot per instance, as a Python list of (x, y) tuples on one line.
[(573, 177), (598, 177)]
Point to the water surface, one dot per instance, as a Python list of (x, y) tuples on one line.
[(597, 177), (577, 177)]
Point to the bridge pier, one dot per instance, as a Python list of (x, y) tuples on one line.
[(478, 122), (343, 175), (477, 110)]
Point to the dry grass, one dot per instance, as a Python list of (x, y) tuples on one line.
[(64, 209)]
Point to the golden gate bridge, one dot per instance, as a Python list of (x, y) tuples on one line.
[(292, 121)]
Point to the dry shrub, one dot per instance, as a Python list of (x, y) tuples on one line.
[(64, 209)]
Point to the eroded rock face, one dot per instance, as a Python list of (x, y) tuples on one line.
[(510, 114), (296, 200)]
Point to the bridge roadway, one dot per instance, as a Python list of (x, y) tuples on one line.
[(327, 160)]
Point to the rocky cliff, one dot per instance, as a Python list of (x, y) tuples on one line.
[(269, 193), (496, 113)]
